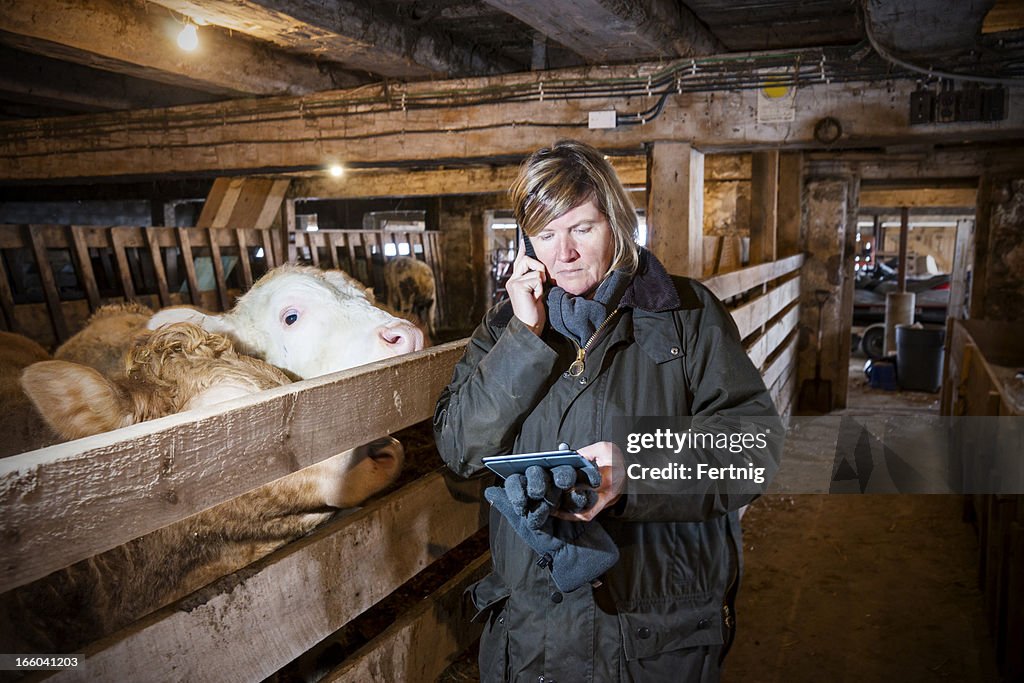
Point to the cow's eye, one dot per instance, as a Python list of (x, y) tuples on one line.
[(290, 318)]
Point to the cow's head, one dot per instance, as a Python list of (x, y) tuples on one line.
[(308, 322)]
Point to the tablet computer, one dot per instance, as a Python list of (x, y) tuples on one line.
[(504, 465)]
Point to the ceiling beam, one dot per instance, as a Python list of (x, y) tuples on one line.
[(345, 32), (607, 31), (369, 127), (33, 78), (140, 41)]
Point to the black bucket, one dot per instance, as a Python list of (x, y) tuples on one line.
[(919, 357)]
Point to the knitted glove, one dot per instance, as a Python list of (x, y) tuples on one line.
[(541, 491), (576, 552)]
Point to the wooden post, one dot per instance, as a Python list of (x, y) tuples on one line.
[(764, 202), (901, 274), (675, 207), (49, 283), (790, 206), (958, 280), (85, 267), (7, 301), (185, 245), (158, 265)]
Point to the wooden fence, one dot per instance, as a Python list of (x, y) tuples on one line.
[(765, 303), (53, 276), (249, 625)]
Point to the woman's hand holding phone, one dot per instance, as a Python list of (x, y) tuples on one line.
[(525, 290)]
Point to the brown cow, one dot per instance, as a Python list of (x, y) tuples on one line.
[(175, 368), (20, 424), (107, 335)]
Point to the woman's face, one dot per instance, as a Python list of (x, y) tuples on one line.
[(576, 248)]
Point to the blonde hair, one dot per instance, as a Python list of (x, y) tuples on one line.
[(554, 180)]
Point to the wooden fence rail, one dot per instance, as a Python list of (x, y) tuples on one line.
[(61, 273)]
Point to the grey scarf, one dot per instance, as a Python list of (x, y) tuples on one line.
[(576, 317)]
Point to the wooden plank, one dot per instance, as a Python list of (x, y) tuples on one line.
[(85, 271), (243, 258), (220, 202), (739, 281), (764, 202), (332, 246), (158, 266), (312, 240), (282, 605), (123, 271), (773, 336), (268, 249), (782, 363), (185, 246), (52, 296), (751, 316), (350, 248), (7, 300), (218, 271), (675, 207), (424, 640), (215, 454)]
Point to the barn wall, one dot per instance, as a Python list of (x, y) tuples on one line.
[(461, 220), (998, 287), (830, 205)]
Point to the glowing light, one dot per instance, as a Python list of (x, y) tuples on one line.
[(336, 170), (188, 39)]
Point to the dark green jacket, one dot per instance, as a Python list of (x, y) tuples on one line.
[(673, 350)]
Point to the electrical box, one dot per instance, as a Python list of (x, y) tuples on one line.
[(603, 119), (922, 106)]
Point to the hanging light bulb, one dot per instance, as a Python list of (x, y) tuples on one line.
[(188, 39), (336, 170)]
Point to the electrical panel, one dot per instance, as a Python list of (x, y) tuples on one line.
[(971, 102)]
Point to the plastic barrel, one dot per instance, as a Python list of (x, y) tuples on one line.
[(919, 357)]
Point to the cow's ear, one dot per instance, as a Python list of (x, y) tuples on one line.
[(75, 400), (187, 314)]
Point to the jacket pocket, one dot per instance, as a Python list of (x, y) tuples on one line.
[(489, 597), (650, 628)]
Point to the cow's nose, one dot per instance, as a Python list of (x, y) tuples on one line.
[(401, 337)]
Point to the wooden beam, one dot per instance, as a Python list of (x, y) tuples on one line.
[(632, 172), (348, 32), (675, 207), (790, 207), (41, 80), (127, 38), (604, 31), (764, 203), (298, 133), (948, 197)]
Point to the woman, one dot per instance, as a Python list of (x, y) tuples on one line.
[(595, 330)]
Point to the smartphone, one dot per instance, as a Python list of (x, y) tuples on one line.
[(504, 465), (527, 245)]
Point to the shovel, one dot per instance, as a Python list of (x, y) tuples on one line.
[(816, 394)]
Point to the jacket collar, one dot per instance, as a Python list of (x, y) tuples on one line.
[(652, 288)]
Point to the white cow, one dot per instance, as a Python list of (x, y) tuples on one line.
[(411, 290), (306, 321), (177, 367)]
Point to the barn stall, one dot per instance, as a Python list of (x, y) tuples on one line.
[(754, 147)]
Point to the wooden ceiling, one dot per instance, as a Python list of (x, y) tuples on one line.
[(61, 57)]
